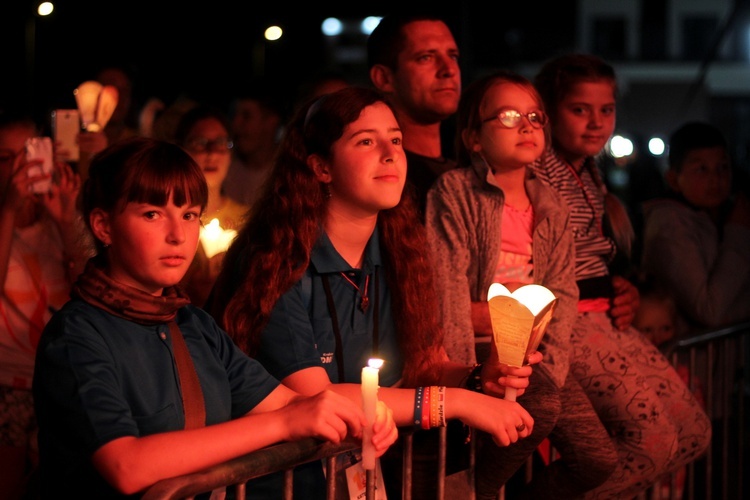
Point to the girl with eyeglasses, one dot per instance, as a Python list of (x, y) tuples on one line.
[(204, 133), (491, 221), (655, 421)]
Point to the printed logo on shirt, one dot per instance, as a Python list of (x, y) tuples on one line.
[(327, 358)]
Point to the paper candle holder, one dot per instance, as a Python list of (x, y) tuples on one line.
[(519, 319), (96, 104)]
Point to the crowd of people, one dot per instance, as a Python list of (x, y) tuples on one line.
[(359, 233)]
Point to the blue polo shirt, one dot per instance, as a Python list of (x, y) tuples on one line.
[(300, 331), (99, 377), (300, 335)]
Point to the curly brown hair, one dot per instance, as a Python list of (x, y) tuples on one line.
[(272, 251)]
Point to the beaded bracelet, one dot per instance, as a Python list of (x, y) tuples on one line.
[(474, 379)]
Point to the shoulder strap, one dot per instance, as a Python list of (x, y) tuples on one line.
[(192, 395)]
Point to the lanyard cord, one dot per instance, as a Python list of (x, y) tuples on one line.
[(365, 302), (338, 353)]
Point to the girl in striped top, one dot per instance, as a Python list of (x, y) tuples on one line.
[(656, 423)]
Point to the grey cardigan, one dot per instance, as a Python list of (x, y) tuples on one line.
[(464, 214)]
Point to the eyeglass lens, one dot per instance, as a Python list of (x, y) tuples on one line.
[(202, 145), (511, 118)]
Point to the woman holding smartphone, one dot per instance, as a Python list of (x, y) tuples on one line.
[(41, 252)]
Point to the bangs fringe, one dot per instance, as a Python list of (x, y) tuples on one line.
[(172, 180)]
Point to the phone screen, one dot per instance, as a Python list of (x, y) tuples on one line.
[(40, 148), (66, 124)]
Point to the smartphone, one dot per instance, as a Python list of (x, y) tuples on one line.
[(40, 148), (66, 124)]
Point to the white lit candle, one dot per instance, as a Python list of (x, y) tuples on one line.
[(215, 239), (370, 402)]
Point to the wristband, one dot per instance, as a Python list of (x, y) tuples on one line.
[(426, 408), (418, 407), (441, 407), (436, 402)]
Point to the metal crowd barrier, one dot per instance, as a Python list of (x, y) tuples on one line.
[(233, 474), (718, 362), (718, 365)]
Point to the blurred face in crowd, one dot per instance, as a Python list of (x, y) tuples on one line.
[(585, 120), (655, 319), (254, 127), (208, 143), (704, 177), (121, 81), (12, 147), (426, 84)]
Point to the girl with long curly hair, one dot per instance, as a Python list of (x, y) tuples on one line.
[(333, 268)]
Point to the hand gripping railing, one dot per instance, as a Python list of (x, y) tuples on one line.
[(235, 473)]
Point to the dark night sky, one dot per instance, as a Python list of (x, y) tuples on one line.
[(205, 50)]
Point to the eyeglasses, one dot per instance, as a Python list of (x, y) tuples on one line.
[(511, 118), (203, 145)]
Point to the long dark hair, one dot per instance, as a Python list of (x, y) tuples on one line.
[(272, 251)]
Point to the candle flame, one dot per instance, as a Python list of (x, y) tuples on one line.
[(215, 239), (375, 363)]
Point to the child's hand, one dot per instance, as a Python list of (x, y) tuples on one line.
[(625, 303), (326, 415), (60, 201), (496, 377), (17, 186), (384, 429), (506, 421)]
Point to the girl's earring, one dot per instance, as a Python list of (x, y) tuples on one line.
[(326, 191)]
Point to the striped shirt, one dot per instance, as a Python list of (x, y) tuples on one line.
[(584, 193)]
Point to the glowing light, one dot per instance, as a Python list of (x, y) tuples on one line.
[(375, 363), (620, 146), (273, 33), (656, 146), (45, 8), (331, 27), (368, 24), (215, 239)]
